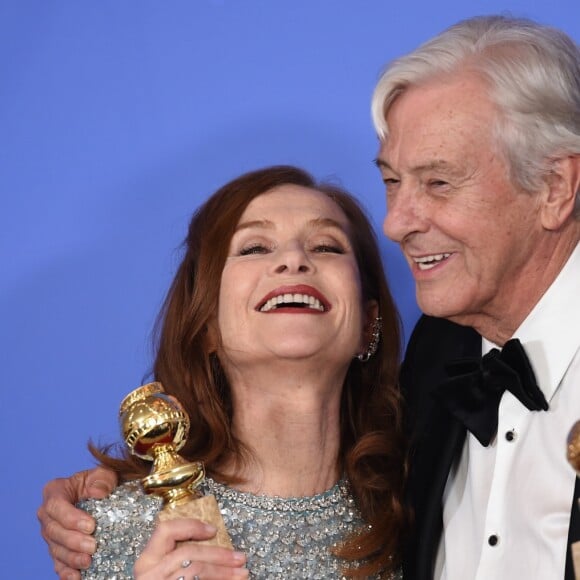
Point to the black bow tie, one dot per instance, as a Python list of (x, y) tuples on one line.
[(475, 387)]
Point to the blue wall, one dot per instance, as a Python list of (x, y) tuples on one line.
[(116, 119)]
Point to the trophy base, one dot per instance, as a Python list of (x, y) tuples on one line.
[(205, 509), (575, 549)]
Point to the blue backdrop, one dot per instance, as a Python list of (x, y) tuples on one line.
[(116, 119)]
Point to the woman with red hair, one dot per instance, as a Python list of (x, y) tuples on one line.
[(280, 338)]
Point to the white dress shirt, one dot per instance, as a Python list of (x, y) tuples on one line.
[(506, 507)]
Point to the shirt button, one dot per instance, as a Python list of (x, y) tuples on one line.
[(510, 435), (493, 540)]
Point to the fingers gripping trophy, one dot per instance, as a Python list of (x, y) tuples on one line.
[(155, 427)]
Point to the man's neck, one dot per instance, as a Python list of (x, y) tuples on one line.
[(512, 307)]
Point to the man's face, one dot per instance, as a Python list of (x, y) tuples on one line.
[(470, 236)]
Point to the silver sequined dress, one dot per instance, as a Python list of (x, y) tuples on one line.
[(282, 538)]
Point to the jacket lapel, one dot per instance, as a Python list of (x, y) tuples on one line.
[(434, 457), (436, 437)]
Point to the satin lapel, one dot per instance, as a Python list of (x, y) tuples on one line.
[(436, 437)]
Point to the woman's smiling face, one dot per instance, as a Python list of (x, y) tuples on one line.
[(290, 287)]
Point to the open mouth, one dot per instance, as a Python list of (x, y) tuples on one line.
[(428, 262), (300, 301)]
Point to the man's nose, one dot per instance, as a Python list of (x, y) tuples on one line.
[(406, 214)]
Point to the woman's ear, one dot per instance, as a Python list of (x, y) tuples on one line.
[(371, 314), (560, 198), (212, 335), (372, 311)]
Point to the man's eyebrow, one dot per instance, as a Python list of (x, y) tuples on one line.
[(381, 163), (436, 164)]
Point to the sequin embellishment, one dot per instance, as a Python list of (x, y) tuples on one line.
[(283, 538)]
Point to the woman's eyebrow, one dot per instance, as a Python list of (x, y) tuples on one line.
[(267, 224), (327, 223), (262, 224)]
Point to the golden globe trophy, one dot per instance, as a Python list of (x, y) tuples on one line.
[(573, 454), (155, 427)]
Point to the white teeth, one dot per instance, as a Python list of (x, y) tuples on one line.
[(284, 299), (428, 262)]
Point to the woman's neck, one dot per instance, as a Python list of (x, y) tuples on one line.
[(292, 429)]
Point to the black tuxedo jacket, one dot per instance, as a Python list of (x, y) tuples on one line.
[(437, 439)]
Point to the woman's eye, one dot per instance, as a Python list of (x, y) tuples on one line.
[(328, 249), (254, 249)]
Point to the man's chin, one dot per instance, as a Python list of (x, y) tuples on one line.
[(440, 306)]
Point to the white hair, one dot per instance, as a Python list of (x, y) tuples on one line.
[(533, 73)]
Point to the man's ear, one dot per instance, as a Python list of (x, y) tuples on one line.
[(562, 189)]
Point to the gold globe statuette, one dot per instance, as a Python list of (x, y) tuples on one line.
[(573, 453), (155, 427)]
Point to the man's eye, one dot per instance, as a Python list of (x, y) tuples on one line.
[(391, 184), (437, 183), (254, 249)]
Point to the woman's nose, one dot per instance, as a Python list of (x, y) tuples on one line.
[(302, 268), (293, 260)]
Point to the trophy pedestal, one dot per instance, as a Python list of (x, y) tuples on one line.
[(205, 509), (575, 548)]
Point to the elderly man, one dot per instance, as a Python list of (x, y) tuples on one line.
[(480, 156)]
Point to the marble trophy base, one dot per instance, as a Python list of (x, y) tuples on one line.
[(204, 508)]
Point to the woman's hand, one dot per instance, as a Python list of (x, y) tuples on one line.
[(163, 559), (66, 529)]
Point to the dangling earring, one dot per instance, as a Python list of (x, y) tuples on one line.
[(374, 343)]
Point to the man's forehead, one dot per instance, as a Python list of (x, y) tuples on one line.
[(461, 97), (441, 138)]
